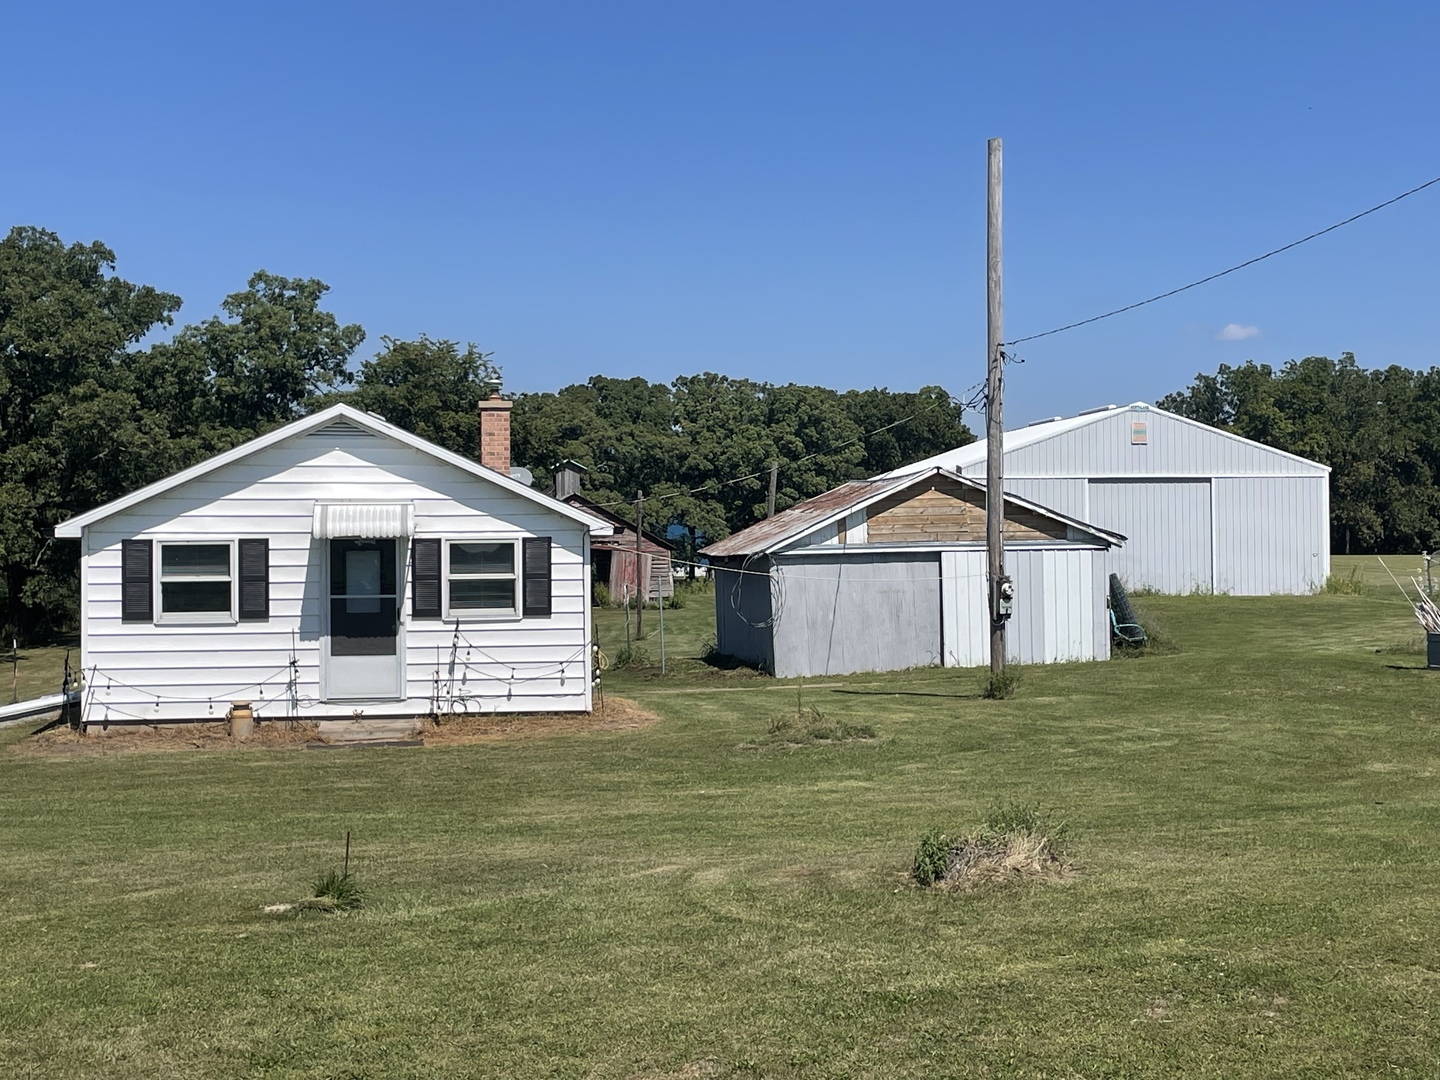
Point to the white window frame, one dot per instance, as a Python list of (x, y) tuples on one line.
[(515, 612), (195, 618)]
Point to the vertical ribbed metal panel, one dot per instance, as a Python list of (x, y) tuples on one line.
[(1168, 528), (964, 609), (857, 611), (1172, 447), (1066, 496), (1271, 534), (1025, 635), (742, 608)]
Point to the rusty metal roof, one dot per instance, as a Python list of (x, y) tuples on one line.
[(802, 518)]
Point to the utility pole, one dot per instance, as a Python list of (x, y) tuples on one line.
[(1000, 587), (770, 502), (640, 589)]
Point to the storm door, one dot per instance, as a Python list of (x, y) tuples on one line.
[(364, 657)]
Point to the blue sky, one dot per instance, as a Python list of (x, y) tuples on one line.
[(788, 191)]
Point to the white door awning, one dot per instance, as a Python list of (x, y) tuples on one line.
[(363, 521)]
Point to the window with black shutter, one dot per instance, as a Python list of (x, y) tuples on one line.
[(137, 595), (425, 579), (254, 580), (536, 562)]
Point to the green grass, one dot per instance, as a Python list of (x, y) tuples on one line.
[(1255, 813), (33, 672)]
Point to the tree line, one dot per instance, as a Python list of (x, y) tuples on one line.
[(93, 405), (1378, 430)]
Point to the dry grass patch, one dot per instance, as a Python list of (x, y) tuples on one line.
[(61, 741), (618, 714), (1016, 843)]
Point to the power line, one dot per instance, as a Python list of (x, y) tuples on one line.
[(1231, 270)]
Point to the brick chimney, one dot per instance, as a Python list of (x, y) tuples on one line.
[(495, 433)]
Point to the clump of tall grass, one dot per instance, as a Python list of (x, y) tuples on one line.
[(1014, 842), (1346, 584)]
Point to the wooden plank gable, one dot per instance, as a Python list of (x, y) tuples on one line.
[(943, 510)]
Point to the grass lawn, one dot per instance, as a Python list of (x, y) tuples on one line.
[(1256, 814), (34, 672)]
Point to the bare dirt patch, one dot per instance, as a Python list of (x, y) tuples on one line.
[(60, 741), (619, 714)]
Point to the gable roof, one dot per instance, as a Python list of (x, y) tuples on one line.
[(73, 527), (802, 519), (963, 457), (596, 510)]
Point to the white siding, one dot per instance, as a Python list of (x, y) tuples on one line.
[(1276, 537), (1058, 614), (1173, 447), (150, 672), (1167, 524), (1065, 495), (965, 614), (1271, 535)]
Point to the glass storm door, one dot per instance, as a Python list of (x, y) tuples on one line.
[(364, 657)]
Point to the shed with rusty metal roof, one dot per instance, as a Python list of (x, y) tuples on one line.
[(887, 574)]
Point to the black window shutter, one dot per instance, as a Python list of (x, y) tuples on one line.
[(137, 595), (254, 580), (425, 579), (536, 560)]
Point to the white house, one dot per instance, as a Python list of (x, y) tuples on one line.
[(1202, 510), (334, 567), (887, 574)]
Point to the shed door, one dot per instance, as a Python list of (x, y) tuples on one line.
[(363, 661), (964, 610), (1167, 528)]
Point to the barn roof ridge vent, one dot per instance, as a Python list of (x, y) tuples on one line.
[(1097, 409), (1047, 420)]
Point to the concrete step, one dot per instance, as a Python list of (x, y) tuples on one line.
[(367, 731)]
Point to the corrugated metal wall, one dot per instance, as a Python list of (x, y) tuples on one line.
[(742, 612), (1059, 615), (1271, 535), (1065, 495), (857, 611), (1167, 525), (1172, 447)]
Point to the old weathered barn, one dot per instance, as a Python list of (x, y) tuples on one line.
[(618, 562), (1202, 510), (881, 575)]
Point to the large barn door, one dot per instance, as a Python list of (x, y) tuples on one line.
[(1167, 526)]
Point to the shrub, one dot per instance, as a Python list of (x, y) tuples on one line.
[(1002, 685), (601, 592), (631, 656), (676, 600), (932, 855), (1346, 584)]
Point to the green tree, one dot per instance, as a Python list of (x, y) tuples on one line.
[(429, 387), (73, 431)]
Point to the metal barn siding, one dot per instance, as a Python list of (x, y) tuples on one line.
[(964, 609), (856, 611), (1067, 495), (1172, 447), (1168, 528), (1271, 535), (743, 612), (1057, 617)]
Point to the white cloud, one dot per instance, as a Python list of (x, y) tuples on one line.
[(1236, 332)]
